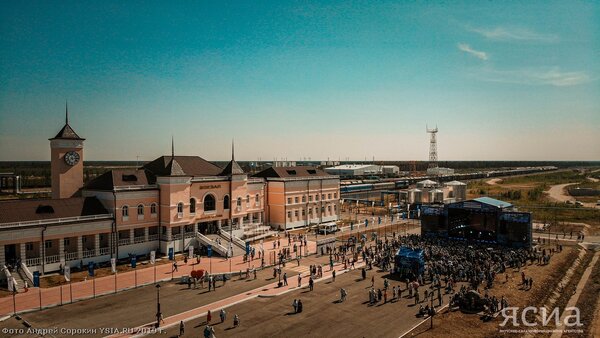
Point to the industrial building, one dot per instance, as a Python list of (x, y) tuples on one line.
[(362, 170), (482, 219), (353, 170), (439, 171)]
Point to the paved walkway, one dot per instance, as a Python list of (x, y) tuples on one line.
[(39, 298), (270, 290)]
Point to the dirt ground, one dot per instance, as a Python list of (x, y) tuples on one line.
[(458, 324)]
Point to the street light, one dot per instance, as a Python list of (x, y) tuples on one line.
[(158, 314)]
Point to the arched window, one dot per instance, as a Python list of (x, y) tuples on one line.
[(247, 199), (209, 203), (257, 199), (226, 202), (125, 211), (153, 208), (140, 210), (192, 205), (239, 202), (180, 208)]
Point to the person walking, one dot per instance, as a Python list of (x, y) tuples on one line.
[(311, 283), (372, 281), (364, 273), (223, 315), (299, 280), (181, 328), (285, 283), (295, 305), (208, 317), (333, 275), (174, 266), (299, 306), (236, 320)]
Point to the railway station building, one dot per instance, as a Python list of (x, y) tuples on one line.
[(166, 205)]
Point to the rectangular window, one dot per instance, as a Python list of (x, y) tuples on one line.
[(317, 197), (310, 211), (303, 199), (329, 208), (328, 196), (335, 195), (335, 208), (296, 213), (323, 197), (289, 200), (295, 199), (48, 244), (29, 246), (289, 214), (303, 213), (310, 198), (66, 242)]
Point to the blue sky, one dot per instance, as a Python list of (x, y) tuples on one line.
[(297, 80)]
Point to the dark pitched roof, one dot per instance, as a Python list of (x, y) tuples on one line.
[(67, 133), (118, 177), (34, 209), (232, 168), (289, 172), (183, 165)]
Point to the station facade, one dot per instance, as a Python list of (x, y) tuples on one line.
[(167, 205)]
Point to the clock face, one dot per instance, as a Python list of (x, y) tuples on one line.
[(71, 158)]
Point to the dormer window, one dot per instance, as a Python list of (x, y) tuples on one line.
[(44, 209), (291, 172)]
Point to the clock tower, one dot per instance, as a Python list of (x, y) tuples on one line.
[(66, 160)]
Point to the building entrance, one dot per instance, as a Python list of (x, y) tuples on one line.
[(207, 228), (10, 254)]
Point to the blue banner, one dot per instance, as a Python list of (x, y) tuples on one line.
[(171, 254), (247, 248), (133, 261), (36, 279), (209, 250), (91, 269)]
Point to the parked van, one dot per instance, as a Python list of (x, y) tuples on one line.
[(328, 228)]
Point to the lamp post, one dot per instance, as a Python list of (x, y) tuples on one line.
[(158, 314)]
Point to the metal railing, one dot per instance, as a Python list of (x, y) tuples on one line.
[(104, 251), (57, 220), (235, 240), (136, 187), (139, 239), (216, 246), (33, 261), (70, 256), (124, 241), (190, 235), (52, 259), (176, 237), (153, 237), (89, 253)]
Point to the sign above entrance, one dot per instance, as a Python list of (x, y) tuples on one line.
[(212, 186)]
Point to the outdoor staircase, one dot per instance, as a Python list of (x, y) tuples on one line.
[(216, 247), (236, 248)]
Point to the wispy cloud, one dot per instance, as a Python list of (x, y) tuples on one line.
[(478, 54), (552, 77), (514, 34)]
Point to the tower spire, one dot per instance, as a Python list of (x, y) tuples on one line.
[(232, 150), (172, 147), (66, 112)]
